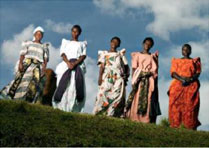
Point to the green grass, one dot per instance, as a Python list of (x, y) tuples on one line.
[(23, 124)]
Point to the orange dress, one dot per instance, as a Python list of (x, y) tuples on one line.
[(184, 101)]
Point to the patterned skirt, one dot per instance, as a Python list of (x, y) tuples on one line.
[(26, 85)]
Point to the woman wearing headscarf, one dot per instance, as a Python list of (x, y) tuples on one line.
[(34, 56)]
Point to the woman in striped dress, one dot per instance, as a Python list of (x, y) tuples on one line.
[(31, 66)]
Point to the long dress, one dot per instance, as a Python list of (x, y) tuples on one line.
[(27, 84), (184, 101), (110, 100), (142, 104), (73, 50)]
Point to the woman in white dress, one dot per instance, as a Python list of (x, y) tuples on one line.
[(70, 93)]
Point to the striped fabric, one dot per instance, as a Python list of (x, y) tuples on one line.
[(35, 51), (26, 85)]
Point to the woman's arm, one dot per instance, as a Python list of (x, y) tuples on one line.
[(79, 61), (44, 67), (20, 67), (101, 71), (64, 57), (176, 76), (133, 70)]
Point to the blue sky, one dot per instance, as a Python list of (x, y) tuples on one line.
[(170, 23)]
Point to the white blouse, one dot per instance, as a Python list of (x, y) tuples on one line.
[(35, 51), (73, 50)]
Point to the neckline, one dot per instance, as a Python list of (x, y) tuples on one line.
[(149, 53), (186, 58), (37, 43)]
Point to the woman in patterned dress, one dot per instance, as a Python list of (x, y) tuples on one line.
[(142, 104), (114, 72), (184, 97), (31, 66)]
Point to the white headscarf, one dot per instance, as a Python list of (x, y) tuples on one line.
[(39, 28)]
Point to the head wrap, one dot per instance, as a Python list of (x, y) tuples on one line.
[(39, 28)]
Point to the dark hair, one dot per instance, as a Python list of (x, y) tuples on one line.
[(187, 46), (118, 39), (77, 27), (149, 39)]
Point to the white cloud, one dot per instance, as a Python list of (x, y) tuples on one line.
[(10, 48), (54, 57), (91, 78), (169, 16), (60, 27), (204, 101)]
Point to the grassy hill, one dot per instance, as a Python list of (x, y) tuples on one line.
[(23, 124)]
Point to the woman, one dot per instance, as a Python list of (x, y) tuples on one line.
[(31, 66), (142, 104), (70, 93), (184, 97), (113, 74)]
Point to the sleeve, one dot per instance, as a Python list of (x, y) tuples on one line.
[(63, 46), (155, 64), (84, 47), (101, 57), (173, 66), (24, 49), (122, 54), (134, 60), (198, 64), (46, 52)]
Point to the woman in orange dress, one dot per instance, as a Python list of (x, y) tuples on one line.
[(184, 97), (142, 104)]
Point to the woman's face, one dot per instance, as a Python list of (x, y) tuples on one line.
[(38, 36), (75, 33), (186, 52), (147, 45), (114, 44)]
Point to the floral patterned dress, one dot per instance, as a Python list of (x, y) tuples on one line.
[(110, 99)]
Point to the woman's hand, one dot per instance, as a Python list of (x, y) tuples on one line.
[(70, 65)]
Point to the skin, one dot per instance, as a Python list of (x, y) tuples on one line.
[(185, 80), (71, 65), (38, 37), (146, 48), (114, 44)]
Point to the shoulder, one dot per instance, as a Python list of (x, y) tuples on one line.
[(26, 43), (122, 52), (64, 41), (102, 52), (196, 60), (135, 54), (155, 54), (46, 45), (83, 43), (177, 60)]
